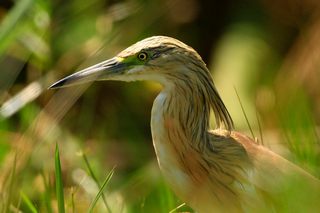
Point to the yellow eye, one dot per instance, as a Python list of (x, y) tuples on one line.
[(143, 56)]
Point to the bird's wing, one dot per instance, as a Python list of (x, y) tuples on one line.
[(268, 163), (286, 184)]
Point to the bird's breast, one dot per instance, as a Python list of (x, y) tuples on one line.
[(166, 147)]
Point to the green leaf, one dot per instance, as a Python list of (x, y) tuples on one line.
[(59, 183), (104, 184), (28, 202)]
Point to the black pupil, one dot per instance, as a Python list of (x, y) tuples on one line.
[(142, 56)]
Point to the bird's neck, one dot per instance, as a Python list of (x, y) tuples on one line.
[(182, 108), (179, 124), (178, 121)]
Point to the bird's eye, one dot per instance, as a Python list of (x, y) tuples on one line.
[(143, 56)]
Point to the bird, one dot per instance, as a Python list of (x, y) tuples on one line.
[(211, 170)]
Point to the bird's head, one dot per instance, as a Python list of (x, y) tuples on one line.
[(166, 61), (157, 58)]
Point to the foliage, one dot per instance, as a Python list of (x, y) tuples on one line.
[(273, 65)]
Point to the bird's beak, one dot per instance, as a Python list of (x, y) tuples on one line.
[(102, 71)]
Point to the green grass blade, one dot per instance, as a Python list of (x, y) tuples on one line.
[(73, 206), (10, 186), (104, 184), (95, 179), (177, 208), (260, 129), (245, 115), (59, 183), (28, 202), (10, 22), (46, 194)]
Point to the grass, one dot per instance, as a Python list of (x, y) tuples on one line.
[(59, 182), (9, 29), (101, 187), (28, 202), (177, 208), (60, 187), (100, 193), (244, 114), (41, 41), (46, 197), (7, 199)]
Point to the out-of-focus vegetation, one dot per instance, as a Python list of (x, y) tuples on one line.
[(267, 50)]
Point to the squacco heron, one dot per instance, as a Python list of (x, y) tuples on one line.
[(217, 170)]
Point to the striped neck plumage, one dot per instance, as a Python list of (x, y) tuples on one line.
[(189, 101)]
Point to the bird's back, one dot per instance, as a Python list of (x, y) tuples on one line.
[(247, 177)]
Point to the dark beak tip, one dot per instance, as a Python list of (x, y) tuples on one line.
[(57, 84), (87, 75), (53, 86)]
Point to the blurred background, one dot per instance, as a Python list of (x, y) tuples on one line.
[(266, 50)]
